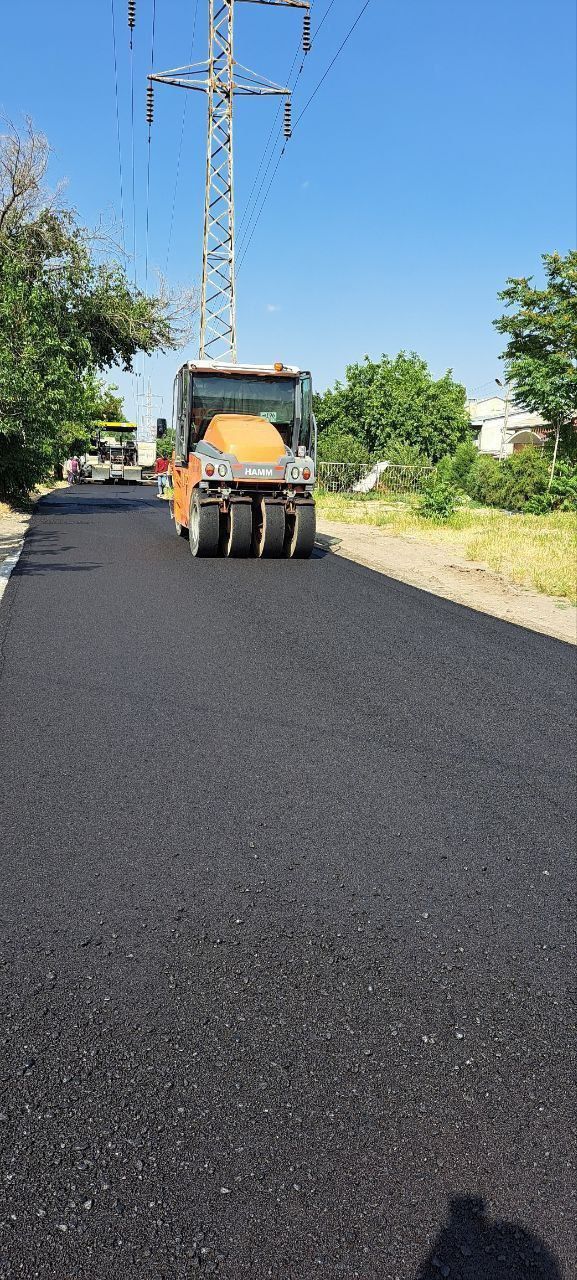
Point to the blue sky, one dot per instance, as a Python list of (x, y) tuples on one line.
[(437, 159)]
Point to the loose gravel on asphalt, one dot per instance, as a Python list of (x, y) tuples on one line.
[(287, 869)]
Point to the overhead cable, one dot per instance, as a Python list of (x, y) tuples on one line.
[(120, 177), (248, 239)]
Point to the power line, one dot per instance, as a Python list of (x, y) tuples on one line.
[(324, 18), (118, 124), (257, 219), (267, 144), (247, 208), (148, 155), (332, 63), (248, 241), (132, 155), (184, 109)]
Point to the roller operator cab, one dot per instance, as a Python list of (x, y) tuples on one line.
[(244, 459)]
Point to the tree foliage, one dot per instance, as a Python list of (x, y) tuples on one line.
[(541, 352), (396, 400), (64, 318), (335, 445), (165, 446)]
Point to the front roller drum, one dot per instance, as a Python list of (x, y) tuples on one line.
[(301, 528), (237, 530), (203, 527), (268, 528)]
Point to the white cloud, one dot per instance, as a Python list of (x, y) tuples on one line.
[(272, 306)]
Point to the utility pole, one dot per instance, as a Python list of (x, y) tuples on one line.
[(507, 391), (221, 79), (145, 431)]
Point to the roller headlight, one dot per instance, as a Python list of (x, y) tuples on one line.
[(222, 470), (295, 473), (208, 469)]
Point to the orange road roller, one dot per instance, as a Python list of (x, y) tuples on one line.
[(243, 466)]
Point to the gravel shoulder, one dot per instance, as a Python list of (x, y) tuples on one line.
[(13, 526), (438, 569)]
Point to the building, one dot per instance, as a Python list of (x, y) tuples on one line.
[(488, 423)]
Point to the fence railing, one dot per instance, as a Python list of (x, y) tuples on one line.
[(377, 477)]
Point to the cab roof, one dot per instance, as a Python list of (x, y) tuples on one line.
[(213, 366)]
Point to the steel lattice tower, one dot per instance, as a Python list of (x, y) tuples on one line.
[(221, 80)]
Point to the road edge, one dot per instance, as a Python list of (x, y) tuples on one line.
[(334, 544), (9, 563)]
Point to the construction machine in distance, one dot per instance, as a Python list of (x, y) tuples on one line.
[(116, 456), (244, 459)]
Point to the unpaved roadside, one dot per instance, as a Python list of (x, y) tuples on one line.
[(13, 526), (436, 568)]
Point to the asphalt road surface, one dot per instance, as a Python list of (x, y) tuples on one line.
[(286, 888)]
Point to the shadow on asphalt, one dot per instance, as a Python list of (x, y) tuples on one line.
[(472, 1246), (93, 503), (35, 546), (26, 570)]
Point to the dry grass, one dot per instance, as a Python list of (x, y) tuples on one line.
[(532, 551)]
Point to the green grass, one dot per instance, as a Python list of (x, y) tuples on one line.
[(532, 551)]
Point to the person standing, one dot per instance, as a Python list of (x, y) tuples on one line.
[(161, 471)]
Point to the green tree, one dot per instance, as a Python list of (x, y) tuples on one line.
[(108, 407), (464, 457), (165, 446), (397, 400), (64, 319), (541, 353), (341, 446)]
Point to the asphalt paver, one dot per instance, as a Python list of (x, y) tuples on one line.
[(286, 904)]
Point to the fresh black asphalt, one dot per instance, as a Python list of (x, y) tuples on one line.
[(286, 881)]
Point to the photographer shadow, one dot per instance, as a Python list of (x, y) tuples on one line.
[(472, 1246)]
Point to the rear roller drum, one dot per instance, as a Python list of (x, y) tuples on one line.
[(268, 529), (237, 530), (301, 529), (203, 525)]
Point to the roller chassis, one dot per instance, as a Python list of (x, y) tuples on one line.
[(261, 522)]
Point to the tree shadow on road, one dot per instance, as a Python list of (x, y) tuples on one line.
[(37, 552), (472, 1246)]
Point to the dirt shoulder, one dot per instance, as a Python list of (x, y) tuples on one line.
[(440, 570), (13, 526)]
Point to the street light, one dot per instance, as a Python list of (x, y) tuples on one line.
[(506, 389)]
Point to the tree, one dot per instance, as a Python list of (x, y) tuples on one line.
[(65, 317), (541, 354), (107, 406), (341, 446), (165, 446), (396, 400)]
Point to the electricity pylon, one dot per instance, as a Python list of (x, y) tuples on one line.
[(221, 79)]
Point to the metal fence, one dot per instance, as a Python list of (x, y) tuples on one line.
[(377, 477)]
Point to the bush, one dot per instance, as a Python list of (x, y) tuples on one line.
[(438, 500), (485, 484), (444, 469), (563, 491), (406, 455), (523, 476), (341, 446), (519, 483), (463, 460)]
